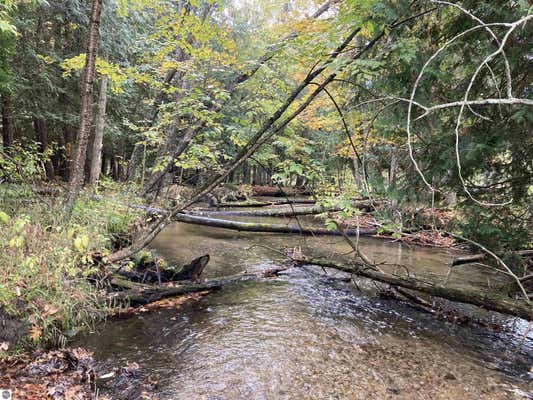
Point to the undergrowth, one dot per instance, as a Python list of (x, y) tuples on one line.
[(47, 261)]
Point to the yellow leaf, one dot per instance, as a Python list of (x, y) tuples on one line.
[(36, 332), (81, 243)]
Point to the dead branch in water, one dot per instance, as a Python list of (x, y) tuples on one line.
[(474, 258), (141, 294), (489, 301)]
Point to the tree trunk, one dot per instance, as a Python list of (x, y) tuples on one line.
[(356, 173), (67, 151), (41, 130), (115, 167), (143, 294), (86, 112), (96, 163), (280, 191), (107, 165), (393, 168), (7, 124), (475, 258), (285, 211), (275, 212), (246, 173), (255, 203)]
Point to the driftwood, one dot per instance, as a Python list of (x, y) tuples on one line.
[(246, 203), (140, 294), (489, 301), (187, 280), (267, 228), (193, 270), (474, 258), (153, 272), (257, 203), (293, 201)]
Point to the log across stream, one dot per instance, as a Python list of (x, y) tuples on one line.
[(487, 298)]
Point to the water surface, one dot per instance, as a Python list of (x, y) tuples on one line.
[(309, 335)]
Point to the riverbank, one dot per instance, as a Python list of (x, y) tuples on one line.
[(50, 265)]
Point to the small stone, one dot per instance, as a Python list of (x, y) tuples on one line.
[(450, 377)]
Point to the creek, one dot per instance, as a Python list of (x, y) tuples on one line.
[(309, 335)]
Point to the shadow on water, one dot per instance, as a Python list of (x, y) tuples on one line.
[(307, 335)]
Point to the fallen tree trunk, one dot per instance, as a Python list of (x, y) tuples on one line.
[(247, 203), (268, 228), (193, 270), (275, 212), (488, 301), (276, 191), (474, 258), (468, 259), (293, 201), (287, 212), (140, 294), (257, 203)]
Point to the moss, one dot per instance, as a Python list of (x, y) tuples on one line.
[(143, 258)]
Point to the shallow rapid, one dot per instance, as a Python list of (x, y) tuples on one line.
[(310, 335)]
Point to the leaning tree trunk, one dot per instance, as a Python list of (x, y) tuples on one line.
[(96, 162), (270, 127), (7, 123), (86, 113)]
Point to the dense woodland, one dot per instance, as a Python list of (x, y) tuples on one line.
[(422, 109)]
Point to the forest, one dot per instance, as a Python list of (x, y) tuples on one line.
[(266, 199)]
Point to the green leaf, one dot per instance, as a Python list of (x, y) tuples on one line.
[(4, 218)]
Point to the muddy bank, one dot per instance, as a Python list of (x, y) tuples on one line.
[(60, 374)]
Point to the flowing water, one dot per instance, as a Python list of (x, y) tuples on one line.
[(310, 335)]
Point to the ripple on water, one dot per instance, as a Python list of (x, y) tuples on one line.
[(307, 336)]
